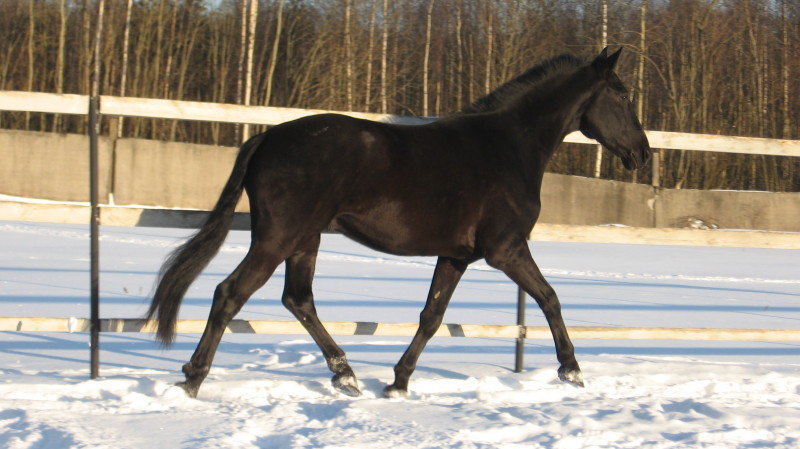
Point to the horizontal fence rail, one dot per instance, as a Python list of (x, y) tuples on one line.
[(549, 232), (44, 102), (280, 327), (267, 115)]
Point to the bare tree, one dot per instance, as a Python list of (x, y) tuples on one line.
[(240, 66), (31, 40), (487, 85), (384, 56), (126, 33), (97, 47), (370, 49), (426, 59), (251, 43), (348, 56), (62, 37), (598, 161), (274, 55), (786, 132), (459, 56)]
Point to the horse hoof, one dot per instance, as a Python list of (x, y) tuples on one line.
[(572, 376), (191, 390), (346, 385), (393, 392)]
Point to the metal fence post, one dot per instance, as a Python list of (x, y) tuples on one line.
[(94, 221), (94, 246), (518, 360)]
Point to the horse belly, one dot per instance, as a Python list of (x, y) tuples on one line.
[(404, 235)]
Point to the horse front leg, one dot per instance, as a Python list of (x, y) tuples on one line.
[(445, 278), (513, 257)]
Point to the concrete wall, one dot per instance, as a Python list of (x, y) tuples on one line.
[(588, 201), (50, 166), (729, 209), (170, 174)]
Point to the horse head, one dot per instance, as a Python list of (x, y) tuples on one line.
[(609, 117)]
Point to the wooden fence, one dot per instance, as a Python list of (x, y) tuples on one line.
[(212, 112)]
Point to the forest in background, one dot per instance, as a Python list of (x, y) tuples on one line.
[(728, 67)]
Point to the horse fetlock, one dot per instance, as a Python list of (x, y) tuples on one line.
[(193, 372), (571, 375), (393, 391)]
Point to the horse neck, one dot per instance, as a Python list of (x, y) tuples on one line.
[(546, 116)]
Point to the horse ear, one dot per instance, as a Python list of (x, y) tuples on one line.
[(604, 64), (612, 60)]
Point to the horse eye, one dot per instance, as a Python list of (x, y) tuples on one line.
[(624, 97)]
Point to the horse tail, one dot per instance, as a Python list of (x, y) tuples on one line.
[(186, 263)]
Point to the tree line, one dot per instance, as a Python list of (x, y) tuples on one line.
[(709, 66)]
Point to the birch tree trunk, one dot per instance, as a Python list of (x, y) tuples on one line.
[(384, 52), (370, 49), (426, 60), (459, 58), (237, 137), (787, 129), (97, 47), (487, 82), (86, 66), (248, 80), (348, 56), (31, 32), (598, 158), (126, 33), (640, 71), (640, 97), (62, 33)]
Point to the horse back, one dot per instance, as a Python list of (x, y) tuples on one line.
[(405, 189)]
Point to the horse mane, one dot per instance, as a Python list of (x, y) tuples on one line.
[(523, 83)]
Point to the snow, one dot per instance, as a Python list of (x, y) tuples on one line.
[(274, 391)]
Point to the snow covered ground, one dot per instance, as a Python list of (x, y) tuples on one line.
[(274, 391)]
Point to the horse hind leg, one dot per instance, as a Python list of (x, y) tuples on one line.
[(299, 299), (445, 279), (229, 297)]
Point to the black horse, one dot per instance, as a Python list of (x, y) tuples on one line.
[(462, 188)]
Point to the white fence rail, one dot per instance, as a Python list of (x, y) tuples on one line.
[(280, 327), (265, 115)]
